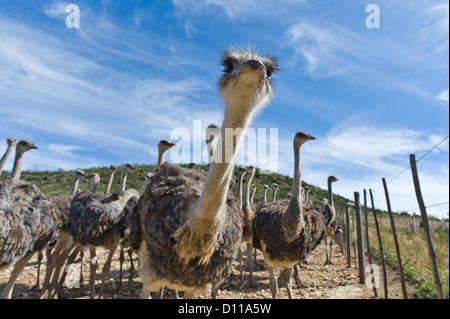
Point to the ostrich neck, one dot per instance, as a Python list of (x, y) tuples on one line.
[(265, 195), (330, 194), (247, 190), (274, 194), (5, 157), (161, 156), (117, 207), (217, 183), (123, 180), (74, 185), (17, 165), (108, 186), (295, 203), (253, 195), (241, 177), (94, 187)]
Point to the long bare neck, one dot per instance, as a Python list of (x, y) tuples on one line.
[(274, 194), (5, 157), (117, 207), (161, 156), (265, 195), (241, 177), (247, 190), (123, 180), (217, 183), (94, 187), (17, 165), (253, 195), (295, 203), (108, 186), (330, 194), (75, 185)]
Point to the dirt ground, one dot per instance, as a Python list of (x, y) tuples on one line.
[(335, 281)]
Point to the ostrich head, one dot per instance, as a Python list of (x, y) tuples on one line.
[(129, 168), (164, 145), (113, 168), (302, 137), (247, 78), (94, 178), (332, 179), (212, 132), (24, 146), (11, 141), (79, 174)]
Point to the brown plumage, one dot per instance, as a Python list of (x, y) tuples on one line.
[(28, 222), (169, 200)]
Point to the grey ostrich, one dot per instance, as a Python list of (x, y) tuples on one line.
[(287, 231), (28, 221), (330, 210), (62, 202), (191, 223), (275, 188), (112, 171), (265, 189), (11, 143), (248, 213), (212, 132), (99, 221)]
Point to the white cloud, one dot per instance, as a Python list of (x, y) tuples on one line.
[(443, 96), (56, 9)]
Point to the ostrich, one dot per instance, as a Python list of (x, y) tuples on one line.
[(307, 190), (99, 221), (148, 177), (62, 202), (265, 189), (287, 231), (327, 210), (52, 288), (28, 220), (248, 214), (191, 222), (163, 146), (212, 132), (275, 188), (11, 143), (112, 171)]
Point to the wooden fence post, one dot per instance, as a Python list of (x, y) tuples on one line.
[(383, 264), (347, 226), (369, 254), (360, 243), (429, 241), (397, 248)]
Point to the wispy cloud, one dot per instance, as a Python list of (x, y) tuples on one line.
[(443, 96)]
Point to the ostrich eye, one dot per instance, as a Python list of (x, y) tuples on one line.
[(228, 66), (269, 73)]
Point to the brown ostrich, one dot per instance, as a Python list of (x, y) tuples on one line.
[(287, 231), (191, 223), (28, 221), (329, 210)]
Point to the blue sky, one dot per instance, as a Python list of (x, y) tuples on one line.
[(135, 70)]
